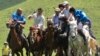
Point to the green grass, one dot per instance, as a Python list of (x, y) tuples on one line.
[(91, 7)]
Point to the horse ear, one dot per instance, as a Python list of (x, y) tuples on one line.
[(31, 28), (47, 19)]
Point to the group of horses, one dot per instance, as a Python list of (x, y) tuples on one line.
[(47, 41)]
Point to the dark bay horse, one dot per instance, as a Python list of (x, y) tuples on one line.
[(49, 38), (36, 41), (15, 42)]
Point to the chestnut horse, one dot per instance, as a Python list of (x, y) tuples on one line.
[(15, 42), (36, 42)]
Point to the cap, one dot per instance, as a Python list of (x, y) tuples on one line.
[(19, 9), (65, 2), (57, 9)]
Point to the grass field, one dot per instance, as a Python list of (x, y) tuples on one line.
[(7, 7)]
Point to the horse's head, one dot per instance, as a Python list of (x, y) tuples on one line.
[(50, 30), (34, 29), (50, 24), (14, 25), (11, 24), (35, 33), (73, 26)]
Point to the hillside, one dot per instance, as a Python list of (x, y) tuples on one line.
[(7, 7)]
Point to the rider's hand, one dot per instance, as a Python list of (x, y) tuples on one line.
[(30, 16)]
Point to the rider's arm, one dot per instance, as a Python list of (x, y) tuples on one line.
[(32, 16), (23, 20), (14, 17)]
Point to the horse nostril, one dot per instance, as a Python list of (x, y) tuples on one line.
[(7, 26), (73, 37)]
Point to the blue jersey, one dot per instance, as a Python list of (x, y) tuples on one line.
[(17, 17), (81, 16)]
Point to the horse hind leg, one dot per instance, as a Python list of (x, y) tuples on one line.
[(17, 54), (13, 53), (50, 53), (21, 53), (40, 53), (33, 53), (26, 45), (46, 52)]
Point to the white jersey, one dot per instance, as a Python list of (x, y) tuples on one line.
[(38, 20), (66, 11)]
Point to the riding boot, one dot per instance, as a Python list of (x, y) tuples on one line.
[(68, 30), (84, 38), (63, 35), (24, 38), (63, 28), (91, 33)]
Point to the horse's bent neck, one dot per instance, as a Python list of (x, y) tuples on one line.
[(30, 33), (14, 35), (50, 33)]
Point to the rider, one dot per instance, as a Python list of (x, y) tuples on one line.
[(55, 19), (66, 9), (19, 18), (38, 18), (84, 19), (63, 17)]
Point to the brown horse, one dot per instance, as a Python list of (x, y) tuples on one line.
[(49, 38), (15, 42), (36, 42)]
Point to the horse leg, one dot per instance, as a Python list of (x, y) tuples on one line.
[(21, 52), (46, 52), (17, 54), (12, 53), (65, 50), (59, 51), (50, 53), (25, 44), (33, 53), (40, 53), (29, 52), (26, 47)]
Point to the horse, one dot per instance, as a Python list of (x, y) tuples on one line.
[(15, 42), (73, 37), (91, 42), (49, 38), (36, 41)]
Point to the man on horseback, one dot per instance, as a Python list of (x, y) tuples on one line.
[(55, 19), (64, 29), (64, 7), (20, 20), (82, 19), (38, 18)]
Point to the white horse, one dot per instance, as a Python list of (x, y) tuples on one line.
[(91, 42), (73, 38), (73, 26)]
